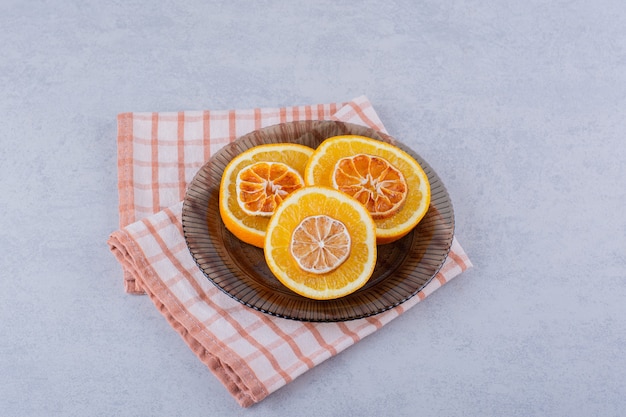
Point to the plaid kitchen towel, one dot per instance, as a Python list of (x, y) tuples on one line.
[(251, 353)]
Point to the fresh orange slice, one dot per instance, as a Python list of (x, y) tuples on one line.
[(321, 243), (389, 181), (272, 171)]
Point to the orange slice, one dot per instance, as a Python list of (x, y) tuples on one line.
[(385, 178), (321, 243), (281, 163), (372, 180), (262, 186)]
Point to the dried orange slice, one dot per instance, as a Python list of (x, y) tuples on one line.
[(262, 186), (321, 243), (385, 178), (282, 164), (372, 180)]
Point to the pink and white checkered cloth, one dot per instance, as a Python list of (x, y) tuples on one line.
[(251, 353)]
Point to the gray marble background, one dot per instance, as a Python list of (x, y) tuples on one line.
[(518, 105)]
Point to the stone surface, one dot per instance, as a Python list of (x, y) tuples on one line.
[(519, 106)]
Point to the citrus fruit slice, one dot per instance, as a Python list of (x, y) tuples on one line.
[(262, 186), (284, 162), (389, 181), (372, 180), (321, 243)]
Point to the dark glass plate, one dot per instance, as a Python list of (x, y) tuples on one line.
[(402, 269)]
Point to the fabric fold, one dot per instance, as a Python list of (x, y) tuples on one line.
[(251, 353)]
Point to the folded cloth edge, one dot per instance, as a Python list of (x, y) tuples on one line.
[(234, 373), (246, 392)]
